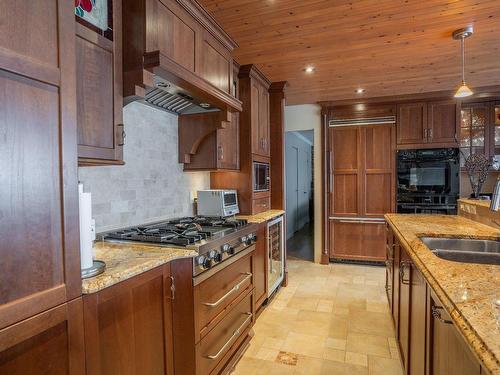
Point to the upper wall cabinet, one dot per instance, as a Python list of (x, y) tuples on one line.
[(254, 92), (40, 267), (428, 124), (179, 42), (480, 129), (99, 82)]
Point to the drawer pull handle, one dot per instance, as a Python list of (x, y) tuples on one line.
[(234, 289), (436, 313), (235, 334), (402, 265)]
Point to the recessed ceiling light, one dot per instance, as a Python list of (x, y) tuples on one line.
[(360, 91), (309, 69)]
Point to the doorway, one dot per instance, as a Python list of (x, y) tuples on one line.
[(299, 172)]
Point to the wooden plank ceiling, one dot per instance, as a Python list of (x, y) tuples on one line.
[(388, 47)]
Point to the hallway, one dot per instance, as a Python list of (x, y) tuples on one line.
[(301, 244), (330, 320)]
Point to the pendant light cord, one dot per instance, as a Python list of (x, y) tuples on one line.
[(463, 59)]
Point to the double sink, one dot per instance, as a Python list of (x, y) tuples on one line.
[(464, 250)]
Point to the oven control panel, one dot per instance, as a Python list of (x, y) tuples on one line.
[(220, 253)]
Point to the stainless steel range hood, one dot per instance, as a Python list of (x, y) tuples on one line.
[(169, 97)]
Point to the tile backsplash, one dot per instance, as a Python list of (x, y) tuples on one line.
[(151, 185)]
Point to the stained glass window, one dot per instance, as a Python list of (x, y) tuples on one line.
[(93, 11)]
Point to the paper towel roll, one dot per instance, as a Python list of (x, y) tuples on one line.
[(85, 200)]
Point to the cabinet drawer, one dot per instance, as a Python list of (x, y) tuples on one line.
[(226, 336), (261, 205), (216, 294)]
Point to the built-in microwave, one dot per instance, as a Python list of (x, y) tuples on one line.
[(219, 203), (261, 176)]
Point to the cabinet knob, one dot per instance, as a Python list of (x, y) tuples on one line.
[(436, 313)]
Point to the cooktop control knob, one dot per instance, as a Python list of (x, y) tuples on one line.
[(225, 248), (244, 239), (200, 260), (217, 256), (207, 263)]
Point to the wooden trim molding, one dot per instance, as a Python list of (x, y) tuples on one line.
[(479, 94), (206, 20), (251, 71), (325, 258)]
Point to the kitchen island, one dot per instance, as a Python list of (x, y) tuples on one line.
[(466, 290)]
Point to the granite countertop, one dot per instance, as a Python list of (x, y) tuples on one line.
[(124, 260), (262, 217), (466, 290), (476, 202)]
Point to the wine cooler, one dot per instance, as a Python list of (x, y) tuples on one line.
[(276, 255)]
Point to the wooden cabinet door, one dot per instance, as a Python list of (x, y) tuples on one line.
[(404, 307), (395, 285), (255, 117), (264, 130), (418, 300), (357, 239), (443, 122), (447, 352), (40, 266), (215, 63), (378, 170), (177, 32), (411, 316), (99, 92), (345, 154), (48, 343), (389, 267), (412, 124), (260, 259), (128, 326), (228, 155)]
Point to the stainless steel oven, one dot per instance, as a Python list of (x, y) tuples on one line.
[(261, 176)]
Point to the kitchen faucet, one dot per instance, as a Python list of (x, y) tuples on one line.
[(495, 199)]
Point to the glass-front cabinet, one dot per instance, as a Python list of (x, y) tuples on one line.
[(480, 129)]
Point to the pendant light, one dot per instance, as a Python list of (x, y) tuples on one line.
[(464, 90)]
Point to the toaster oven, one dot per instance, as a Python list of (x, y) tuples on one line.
[(219, 203)]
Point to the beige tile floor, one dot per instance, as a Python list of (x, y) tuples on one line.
[(330, 320)]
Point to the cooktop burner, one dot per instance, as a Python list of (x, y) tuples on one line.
[(181, 232)]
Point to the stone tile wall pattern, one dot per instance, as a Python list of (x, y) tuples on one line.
[(151, 185)]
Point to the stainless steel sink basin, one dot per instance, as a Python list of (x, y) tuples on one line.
[(464, 250)]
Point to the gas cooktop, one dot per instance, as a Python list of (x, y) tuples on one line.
[(181, 231), (215, 239)]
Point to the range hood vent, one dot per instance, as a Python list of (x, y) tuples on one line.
[(363, 121), (172, 98)]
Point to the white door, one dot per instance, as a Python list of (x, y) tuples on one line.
[(291, 190), (304, 187)]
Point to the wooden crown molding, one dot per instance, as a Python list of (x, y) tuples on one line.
[(203, 17), (251, 71), (278, 87), (480, 93)]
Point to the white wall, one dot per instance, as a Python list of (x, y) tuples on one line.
[(151, 185), (308, 117)]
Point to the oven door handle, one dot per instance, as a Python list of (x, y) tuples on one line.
[(248, 275), (233, 336)]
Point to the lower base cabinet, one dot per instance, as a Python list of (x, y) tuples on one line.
[(261, 260), (48, 343), (357, 239), (448, 353), (128, 326), (429, 343), (213, 314)]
